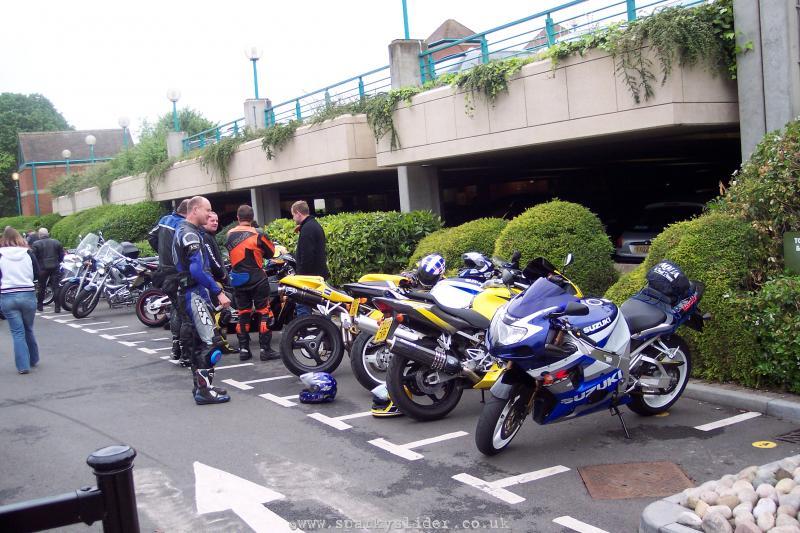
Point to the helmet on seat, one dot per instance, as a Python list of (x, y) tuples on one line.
[(430, 270), (320, 387), (478, 266)]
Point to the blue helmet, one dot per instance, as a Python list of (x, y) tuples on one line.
[(320, 388), (430, 270)]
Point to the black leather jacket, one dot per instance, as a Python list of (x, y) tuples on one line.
[(49, 253)]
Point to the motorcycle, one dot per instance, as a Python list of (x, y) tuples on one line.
[(565, 356), (444, 349), (119, 277), (77, 267)]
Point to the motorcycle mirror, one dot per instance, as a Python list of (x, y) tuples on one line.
[(515, 257), (568, 260), (576, 309), (507, 276)]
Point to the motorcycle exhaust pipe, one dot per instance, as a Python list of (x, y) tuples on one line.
[(302, 296), (434, 359)]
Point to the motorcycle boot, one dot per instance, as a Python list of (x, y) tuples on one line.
[(176, 348), (382, 404), (218, 390), (267, 353), (243, 335), (205, 393)]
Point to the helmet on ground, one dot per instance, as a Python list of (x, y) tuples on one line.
[(430, 270), (320, 387), (382, 405), (478, 266)]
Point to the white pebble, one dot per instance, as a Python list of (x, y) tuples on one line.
[(701, 508), (742, 484), (764, 505), (785, 486), (710, 497), (766, 491), (766, 521), (747, 496), (743, 508), (690, 519), (724, 510), (787, 510), (716, 523), (786, 520)]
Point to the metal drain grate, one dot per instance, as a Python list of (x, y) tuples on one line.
[(792, 436), (634, 480)]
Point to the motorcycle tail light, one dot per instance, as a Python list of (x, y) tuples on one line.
[(383, 306), (400, 319)]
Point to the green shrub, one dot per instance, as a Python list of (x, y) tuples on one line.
[(25, 223), (70, 227), (222, 233), (766, 193), (281, 231), (475, 236), (627, 285), (118, 222), (554, 229), (145, 250), (717, 250), (775, 313)]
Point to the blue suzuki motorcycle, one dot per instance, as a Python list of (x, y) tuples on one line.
[(568, 356)]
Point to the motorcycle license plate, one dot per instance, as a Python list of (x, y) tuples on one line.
[(354, 308), (383, 330)]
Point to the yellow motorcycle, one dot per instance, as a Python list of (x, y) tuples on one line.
[(442, 350)]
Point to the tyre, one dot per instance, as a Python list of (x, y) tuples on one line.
[(149, 311), (48, 295), (311, 344), (369, 361), (500, 421), (679, 370), (410, 388), (84, 304), (66, 295)]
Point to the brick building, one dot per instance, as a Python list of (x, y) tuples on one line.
[(41, 163)]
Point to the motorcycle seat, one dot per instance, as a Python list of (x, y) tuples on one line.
[(473, 318), (641, 316), (421, 295)]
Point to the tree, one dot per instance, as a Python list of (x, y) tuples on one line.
[(20, 113)]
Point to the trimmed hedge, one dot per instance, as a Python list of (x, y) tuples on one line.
[(775, 313), (30, 222), (475, 236), (145, 250), (554, 229), (717, 250), (118, 222), (358, 243)]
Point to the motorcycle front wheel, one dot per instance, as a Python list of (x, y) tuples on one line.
[(311, 344), (84, 304), (49, 295), (369, 361), (149, 316), (500, 421), (66, 295), (411, 388)]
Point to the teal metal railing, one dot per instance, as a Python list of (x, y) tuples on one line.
[(65, 162), (213, 135), (530, 35)]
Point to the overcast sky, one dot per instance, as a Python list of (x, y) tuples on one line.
[(97, 61)]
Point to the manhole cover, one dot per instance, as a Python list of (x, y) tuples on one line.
[(634, 480), (792, 436)]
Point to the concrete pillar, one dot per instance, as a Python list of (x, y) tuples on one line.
[(266, 203), (254, 112), (404, 62), (175, 143), (768, 75), (419, 189)]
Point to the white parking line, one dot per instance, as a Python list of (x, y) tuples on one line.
[(245, 385), (65, 320), (130, 343), (497, 488), (169, 359), (577, 525), (113, 337), (404, 450), (728, 421), (336, 422), (87, 330), (147, 350), (280, 400), (47, 317), (161, 349), (78, 325), (228, 366), (160, 338)]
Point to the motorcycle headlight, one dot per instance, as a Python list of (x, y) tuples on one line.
[(504, 334)]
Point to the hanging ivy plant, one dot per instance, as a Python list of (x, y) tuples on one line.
[(275, 137)]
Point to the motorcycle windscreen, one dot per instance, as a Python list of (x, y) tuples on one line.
[(540, 295)]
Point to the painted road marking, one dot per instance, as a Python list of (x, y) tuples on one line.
[(245, 385), (47, 317), (159, 339), (404, 450), (78, 325), (766, 444), (728, 421), (147, 350), (87, 330), (280, 400), (228, 366), (114, 337), (169, 359), (577, 525), (498, 488), (65, 320), (337, 421), (130, 343), (161, 349)]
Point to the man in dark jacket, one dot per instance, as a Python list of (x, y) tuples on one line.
[(312, 259), (160, 238), (216, 262), (49, 254)]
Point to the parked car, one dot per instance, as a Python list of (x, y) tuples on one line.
[(634, 243)]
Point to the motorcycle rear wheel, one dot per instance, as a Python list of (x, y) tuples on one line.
[(369, 361), (411, 399), (84, 304), (653, 404), (500, 421), (66, 295), (311, 339), (49, 295), (147, 317)]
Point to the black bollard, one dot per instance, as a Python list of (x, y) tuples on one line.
[(113, 467)]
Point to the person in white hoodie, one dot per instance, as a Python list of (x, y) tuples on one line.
[(18, 272)]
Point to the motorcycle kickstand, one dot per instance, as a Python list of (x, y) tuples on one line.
[(483, 398), (615, 411)]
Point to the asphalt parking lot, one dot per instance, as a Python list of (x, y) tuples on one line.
[(265, 462)]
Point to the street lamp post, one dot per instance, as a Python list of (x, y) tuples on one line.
[(91, 140), (173, 95), (253, 54), (15, 177), (66, 154), (124, 122), (405, 19)]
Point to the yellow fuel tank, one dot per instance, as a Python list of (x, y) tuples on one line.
[(316, 284)]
